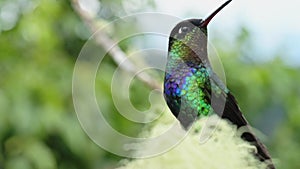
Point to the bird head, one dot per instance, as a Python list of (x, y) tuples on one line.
[(192, 33)]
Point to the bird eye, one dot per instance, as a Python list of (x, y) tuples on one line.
[(183, 29)]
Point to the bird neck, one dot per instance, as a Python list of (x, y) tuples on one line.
[(191, 54)]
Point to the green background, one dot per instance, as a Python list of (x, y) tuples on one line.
[(38, 125)]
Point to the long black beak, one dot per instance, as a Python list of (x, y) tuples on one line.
[(205, 22)]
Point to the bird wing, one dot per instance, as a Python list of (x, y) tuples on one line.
[(225, 105), (223, 102)]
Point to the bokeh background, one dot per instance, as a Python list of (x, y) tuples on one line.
[(41, 39)]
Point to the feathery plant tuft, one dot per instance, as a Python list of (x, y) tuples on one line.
[(224, 149)]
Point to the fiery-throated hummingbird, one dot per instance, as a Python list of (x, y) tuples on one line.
[(192, 89)]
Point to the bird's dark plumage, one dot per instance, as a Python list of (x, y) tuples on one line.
[(192, 89)]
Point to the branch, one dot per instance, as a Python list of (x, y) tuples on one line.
[(117, 54)]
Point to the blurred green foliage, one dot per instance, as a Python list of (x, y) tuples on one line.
[(38, 124)]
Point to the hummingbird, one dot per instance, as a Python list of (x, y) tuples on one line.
[(192, 89)]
